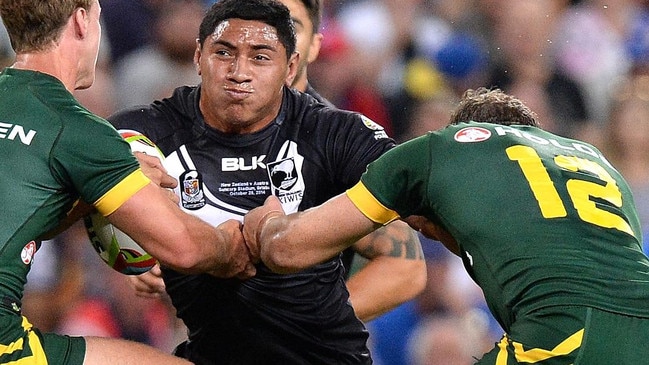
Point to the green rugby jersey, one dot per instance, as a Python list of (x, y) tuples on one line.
[(54, 151), (540, 220)]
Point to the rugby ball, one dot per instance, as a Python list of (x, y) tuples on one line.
[(141, 143), (115, 247)]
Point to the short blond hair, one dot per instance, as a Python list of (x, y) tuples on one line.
[(34, 25)]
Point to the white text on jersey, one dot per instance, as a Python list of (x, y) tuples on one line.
[(574, 146), (11, 131), (239, 164)]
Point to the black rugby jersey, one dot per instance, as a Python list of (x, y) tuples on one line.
[(307, 155), (347, 256)]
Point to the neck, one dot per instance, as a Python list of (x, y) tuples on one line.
[(300, 83), (50, 62)]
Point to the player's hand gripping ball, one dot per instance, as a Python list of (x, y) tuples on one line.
[(115, 247)]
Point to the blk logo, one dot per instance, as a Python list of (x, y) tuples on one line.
[(240, 164)]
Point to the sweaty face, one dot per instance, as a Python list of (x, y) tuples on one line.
[(243, 66)]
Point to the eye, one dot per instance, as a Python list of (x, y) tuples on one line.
[(262, 57), (222, 52)]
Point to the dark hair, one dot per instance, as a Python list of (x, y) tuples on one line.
[(314, 8), (270, 12), (492, 106)]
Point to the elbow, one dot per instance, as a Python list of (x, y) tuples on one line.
[(278, 266)]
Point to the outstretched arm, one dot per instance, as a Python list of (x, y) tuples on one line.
[(179, 240), (394, 274), (290, 243)]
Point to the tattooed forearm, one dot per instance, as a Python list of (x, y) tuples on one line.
[(394, 240)]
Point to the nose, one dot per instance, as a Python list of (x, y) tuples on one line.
[(239, 70)]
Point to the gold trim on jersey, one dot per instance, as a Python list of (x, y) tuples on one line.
[(121, 192), (33, 341), (536, 355), (370, 206)]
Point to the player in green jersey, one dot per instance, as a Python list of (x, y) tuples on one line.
[(56, 153), (544, 224)]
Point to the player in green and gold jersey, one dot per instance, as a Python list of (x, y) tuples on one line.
[(55, 153), (544, 224)]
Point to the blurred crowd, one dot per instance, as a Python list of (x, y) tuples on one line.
[(582, 65)]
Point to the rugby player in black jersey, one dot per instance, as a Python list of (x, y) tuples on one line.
[(237, 138)]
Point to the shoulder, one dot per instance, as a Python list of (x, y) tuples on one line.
[(87, 138), (48, 96), (312, 112), (311, 91), (162, 117), (350, 124)]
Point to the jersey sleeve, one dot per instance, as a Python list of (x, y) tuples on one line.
[(160, 122), (96, 162), (139, 119), (357, 143), (395, 185)]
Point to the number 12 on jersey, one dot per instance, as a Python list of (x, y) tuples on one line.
[(580, 191)]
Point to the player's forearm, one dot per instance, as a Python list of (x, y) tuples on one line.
[(178, 240), (394, 274), (300, 240), (287, 245), (290, 243), (187, 245), (383, 284), (219, 251), (211, 251)]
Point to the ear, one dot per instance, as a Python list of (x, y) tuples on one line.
[(80, 21), (314, 48), (197, 57), (293, 63)]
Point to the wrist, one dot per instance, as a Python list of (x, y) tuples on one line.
[(267, 217)]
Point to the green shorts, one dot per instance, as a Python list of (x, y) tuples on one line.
[(573, 335), (21, 344)]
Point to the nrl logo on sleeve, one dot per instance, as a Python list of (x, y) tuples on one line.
[(27, 253), (472, 134), (379, 131), (369, 123)]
